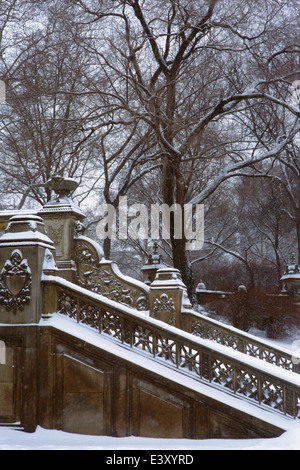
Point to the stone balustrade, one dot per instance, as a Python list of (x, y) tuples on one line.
[(241, 375), (48, 268)]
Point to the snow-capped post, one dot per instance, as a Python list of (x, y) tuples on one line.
[(23, 247), (22, 253), (291, 280), (60, 216), (153, 264), (168, 297)]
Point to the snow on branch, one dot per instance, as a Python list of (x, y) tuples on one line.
[(228, 104), (233, 169)]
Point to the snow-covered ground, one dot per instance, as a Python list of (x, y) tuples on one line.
[(42, 439)]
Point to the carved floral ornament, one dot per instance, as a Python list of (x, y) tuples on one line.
[(164, 304), (15, 283), (102, 278)]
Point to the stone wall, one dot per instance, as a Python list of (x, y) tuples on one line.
[(61, 381)]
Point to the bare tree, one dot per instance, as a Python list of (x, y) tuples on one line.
[(43, 125), (176, 81), (190, 70)]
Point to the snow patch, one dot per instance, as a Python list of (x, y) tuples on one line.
[(43, 439)]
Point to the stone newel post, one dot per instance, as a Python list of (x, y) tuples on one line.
[(22, 253), (291, 280), (24, 247), (168, 297), (60, 216)]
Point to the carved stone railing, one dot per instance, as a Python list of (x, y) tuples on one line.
[(245, 377), (207, 328), (104, 277)]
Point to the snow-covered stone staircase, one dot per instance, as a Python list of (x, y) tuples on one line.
[(219, 368)]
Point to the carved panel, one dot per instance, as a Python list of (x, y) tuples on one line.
[(164, 305), (222, 426), (82, 397), (15, 283), (67, 305), (104, 277), (56, 231), (273, 395), (159, 412)]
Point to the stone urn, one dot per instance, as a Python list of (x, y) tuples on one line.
[(63, 187)]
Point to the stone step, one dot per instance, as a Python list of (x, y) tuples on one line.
[(16, 425)]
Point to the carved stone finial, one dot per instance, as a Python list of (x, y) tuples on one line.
[(153, 263), (63, 187), (292, 267)]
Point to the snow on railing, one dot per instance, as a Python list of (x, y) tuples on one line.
[(208, 328), (104, 277), (230, 370)]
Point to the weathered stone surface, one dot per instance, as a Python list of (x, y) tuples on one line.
[(168, 297), (22, 252)]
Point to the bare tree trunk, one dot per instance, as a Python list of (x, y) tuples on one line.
[(173, 193), (297, 222), (107, 248)]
